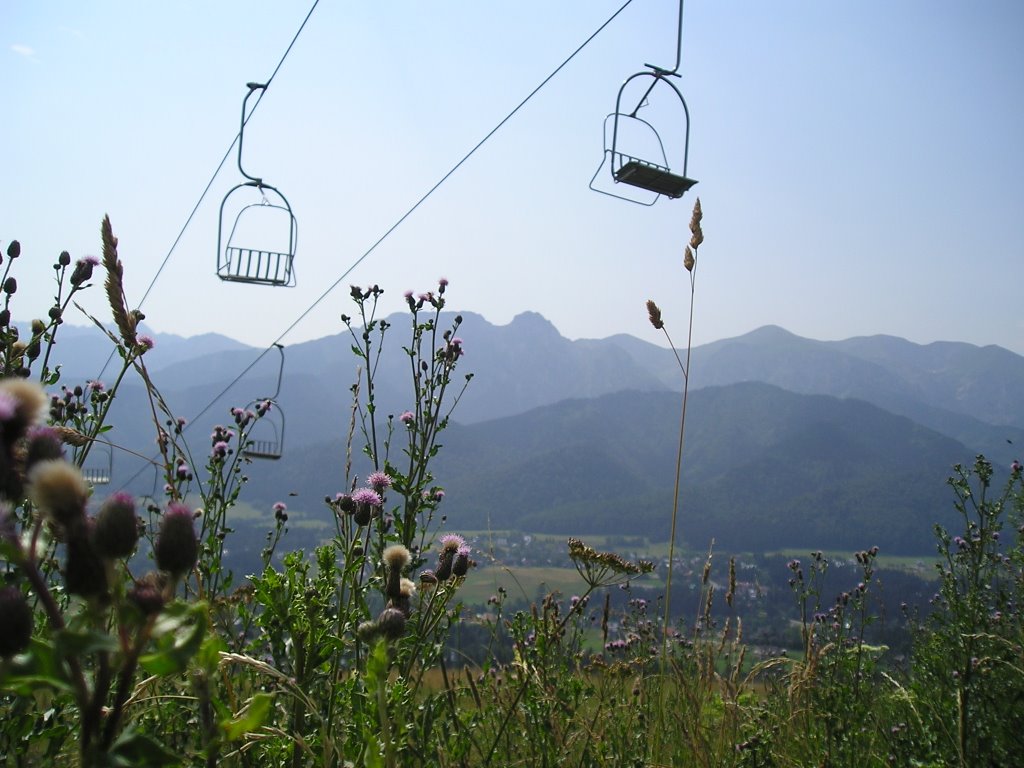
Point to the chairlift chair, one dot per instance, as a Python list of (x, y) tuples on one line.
[(268, 440), (260, 244), (652, 172), (99, 465)]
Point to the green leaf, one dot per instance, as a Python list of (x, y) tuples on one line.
[(254, 716), (136, 749), (39, 667), (72, 643), (178, 635)]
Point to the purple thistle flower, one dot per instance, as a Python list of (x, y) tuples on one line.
[(379, 481), (146, 342), (367, 496), (220, 450), (407, 418), (95, 386), (453, 542)]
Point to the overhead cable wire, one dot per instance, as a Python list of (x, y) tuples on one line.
[(330, 289), (217, 170)]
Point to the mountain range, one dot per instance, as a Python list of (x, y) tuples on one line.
[(789, 441)]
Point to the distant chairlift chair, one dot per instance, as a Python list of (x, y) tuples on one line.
[(266, 440), (260, 245), (99, 464)]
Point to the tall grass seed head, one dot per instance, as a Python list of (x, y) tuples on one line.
[(654, 315), (117, 527), (177, 547), (59, 491), (15, 622), (688, 259)]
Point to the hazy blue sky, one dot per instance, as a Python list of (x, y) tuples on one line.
[(860, 163)]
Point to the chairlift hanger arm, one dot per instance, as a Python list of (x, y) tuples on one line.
[(253, 87)]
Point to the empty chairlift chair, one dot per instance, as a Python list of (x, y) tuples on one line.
[(266, 439), (98, 466), (633, 149), (257, 233)]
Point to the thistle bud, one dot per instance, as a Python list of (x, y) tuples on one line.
[(117, 527), (461, 564), (85, 573), (147, 595), (59, 491), (444, 565), (391, 623), (10, 286), (44, 444), (14, 249), (177, 547), (15, 622)]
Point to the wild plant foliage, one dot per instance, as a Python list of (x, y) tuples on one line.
[(125, 640)]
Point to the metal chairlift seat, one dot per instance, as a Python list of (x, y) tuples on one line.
[(238, 260), (240, 256), (626, 166), (99, 466), (266, 440)]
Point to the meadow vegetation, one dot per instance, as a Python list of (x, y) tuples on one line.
[(125, 640)]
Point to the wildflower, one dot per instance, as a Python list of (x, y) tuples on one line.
[(220, 449), (367, 505), (117, 527), (58, 489), (44, 444), (146, 343), (146, 595), (94, 386), (83, 270), (391, 623), (23, 402), (379, 481), (461, 564), (604, 568), (177, 546), (85, 573), (1015, 467), (15, 622), (396, 557), (9, 406), (280, 511), (407, 418), (452, 541)]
